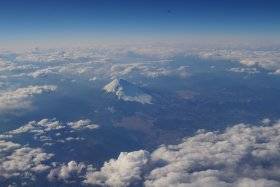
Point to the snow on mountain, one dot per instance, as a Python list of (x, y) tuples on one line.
[(127, 91)]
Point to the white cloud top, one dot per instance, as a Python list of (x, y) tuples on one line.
[(18, 160), (83, 124), (21, 97), (241, 156), (267, 59), (66, 171), (38, 128), (123, 171)]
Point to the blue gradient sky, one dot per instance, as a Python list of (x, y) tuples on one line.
[(78, 20)]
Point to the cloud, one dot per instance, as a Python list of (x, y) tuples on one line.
[(83, 124), (244, 70), (242, 155), (3, 64), (42, 72), (150, 61), (11, 66), (17, 160), (51, 131), (44, 126), (67, 172), (21, 98), (267, 59), (240, 152), (100, 62), (150, 69), (123, 171), (277, 72), (38, 128)]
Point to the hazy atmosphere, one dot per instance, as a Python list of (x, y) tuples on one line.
[(140, 93)]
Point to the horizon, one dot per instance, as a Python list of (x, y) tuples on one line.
[(51, 23)]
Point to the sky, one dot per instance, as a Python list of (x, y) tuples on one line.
[(113, 20)]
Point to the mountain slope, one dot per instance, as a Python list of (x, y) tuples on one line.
[(127, 91)]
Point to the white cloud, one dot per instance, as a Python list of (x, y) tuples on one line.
[(267, 59), (83, 124), (11, 66), (123, 171), (100, 62), (240, 156), (266, 121), (21, 97), (238, 153), (51, 131), (3, 64), (244, 70), (276, 72), (150, 69), (42, 72), (17, 160), (38, 128), (151, 61), (66, 172)]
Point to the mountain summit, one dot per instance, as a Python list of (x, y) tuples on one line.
[(127, 91)]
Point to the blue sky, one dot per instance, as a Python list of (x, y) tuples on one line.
[(31, 20)]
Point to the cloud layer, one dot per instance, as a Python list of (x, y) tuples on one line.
[(24, 160), (124, 171), (17, 160), (267, 59), (21, 97), (51, 131), (241, 156), (66, 172)]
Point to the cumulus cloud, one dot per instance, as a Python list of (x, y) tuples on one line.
[(151, 61), (24, 161), (51, 131), (66, 172), (101, 62), (244, 70), (123, 171), (21, 97), (17, 160), (41, 56), (276, 72), (38, 128), (3, 64), (242, 155), (238, 154), (11, 66), (42, 72), (44, 126), (267, 59), (83, 124), (150, 69)]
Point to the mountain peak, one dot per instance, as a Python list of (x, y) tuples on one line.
[(127, 91), (115, 85)]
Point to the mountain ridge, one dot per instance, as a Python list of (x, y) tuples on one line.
[(127, 91)]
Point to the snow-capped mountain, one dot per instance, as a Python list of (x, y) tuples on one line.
[(128, 92)]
